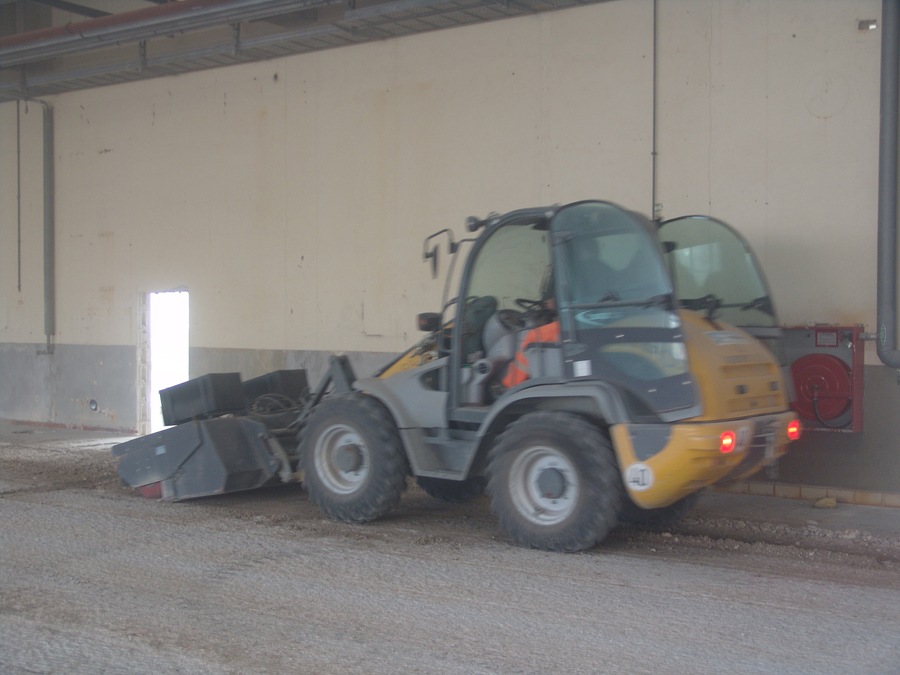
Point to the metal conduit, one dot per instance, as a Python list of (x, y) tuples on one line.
[(49, 230), (887, 185)]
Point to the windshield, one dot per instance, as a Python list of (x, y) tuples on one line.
[(714, 271), (610, 257), (615, 305)]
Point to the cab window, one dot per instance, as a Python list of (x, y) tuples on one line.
[(514, 264)]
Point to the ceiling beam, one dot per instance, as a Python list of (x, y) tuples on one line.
[(164, 20), (80, 10)]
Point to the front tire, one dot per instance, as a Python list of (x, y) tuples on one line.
[(554, 483), (354, 466)]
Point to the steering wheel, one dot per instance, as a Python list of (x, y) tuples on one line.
[(529, 305), (536, 314)]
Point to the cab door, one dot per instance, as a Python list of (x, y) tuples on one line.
[(508, 273), (617, 310)]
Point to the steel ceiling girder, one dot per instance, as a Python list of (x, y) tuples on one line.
[(391, 19), (73, 8), (224, 13)]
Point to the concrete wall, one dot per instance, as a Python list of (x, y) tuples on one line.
[(291, 197), (769, 120)]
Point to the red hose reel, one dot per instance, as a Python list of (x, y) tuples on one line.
[(822, 386), (826, 364)]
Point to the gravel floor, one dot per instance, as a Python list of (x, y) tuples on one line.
[(95, 579)]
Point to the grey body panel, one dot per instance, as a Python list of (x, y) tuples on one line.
[(434, 450), (417, 408), (649, 439), (413, 404), (437, 456), (683, 414), (605, 398)]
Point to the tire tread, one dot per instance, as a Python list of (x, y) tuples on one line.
[(600, 482), (388, 468)]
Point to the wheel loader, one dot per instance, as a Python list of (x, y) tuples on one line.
[(659, 377)]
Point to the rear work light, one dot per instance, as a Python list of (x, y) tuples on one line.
[(727, 441), (793, 430)]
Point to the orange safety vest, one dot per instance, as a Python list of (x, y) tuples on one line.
[(519, 369)]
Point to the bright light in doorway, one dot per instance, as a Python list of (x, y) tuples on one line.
[(169, 330)]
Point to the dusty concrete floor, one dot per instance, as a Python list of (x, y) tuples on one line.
[(95, 579)]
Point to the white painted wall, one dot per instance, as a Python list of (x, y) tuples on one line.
[(769, 120), (294, 208)]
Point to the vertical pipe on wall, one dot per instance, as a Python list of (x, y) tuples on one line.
[(655, 212), (49, 230), (887, 185), (18, 198)]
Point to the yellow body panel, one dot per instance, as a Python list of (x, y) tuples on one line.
[(742, 390), (737, 376), (418, 355)]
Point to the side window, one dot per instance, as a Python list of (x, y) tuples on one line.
[(514, 264), (708, 258)]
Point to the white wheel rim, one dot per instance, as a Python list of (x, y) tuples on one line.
[(337, 439), (524, 476)]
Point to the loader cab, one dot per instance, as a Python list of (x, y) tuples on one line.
[(598, 270)]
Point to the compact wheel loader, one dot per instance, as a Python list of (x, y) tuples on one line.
[(594, 368)]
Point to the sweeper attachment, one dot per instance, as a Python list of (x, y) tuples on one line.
[(226, 436), (207, 457)]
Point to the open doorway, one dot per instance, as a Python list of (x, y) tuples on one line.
[(169, 325)]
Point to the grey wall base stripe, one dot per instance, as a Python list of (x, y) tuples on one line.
[(254, 362), (58, 388), (812, 493), (867, 461)]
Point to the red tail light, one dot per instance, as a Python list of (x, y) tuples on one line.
[(727, 441), (793, 430)]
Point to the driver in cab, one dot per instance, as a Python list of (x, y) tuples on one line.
[(519, 368), (594, 278)]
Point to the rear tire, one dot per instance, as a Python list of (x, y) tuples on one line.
[(632, 514), (453, 491), (554, 483), (354, 466)]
